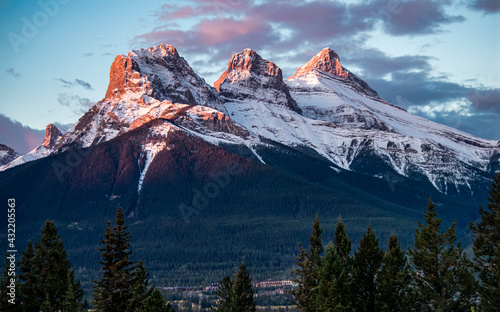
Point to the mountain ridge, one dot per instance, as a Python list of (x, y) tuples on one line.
[(323, 106), (171, 167)]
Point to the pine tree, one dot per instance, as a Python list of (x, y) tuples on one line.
[(31, 295), (113, 292), (394, 280), (486, 248), (46, 305), (140, 292), (236, 295), (243, 300), (225, 295), (53, 266), (334, 278), (316, 249), (441, 271), (306, 276), (155, 302), (366, 264), (341, 240), (44, 273), (73, 296), (302, 277), (334, 293)]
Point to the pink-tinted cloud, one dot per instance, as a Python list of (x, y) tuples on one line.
[(212, 32), (201, 8), (291, 32), (18, 136)]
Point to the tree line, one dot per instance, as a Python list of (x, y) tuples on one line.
[(46, 281), (433, 275)]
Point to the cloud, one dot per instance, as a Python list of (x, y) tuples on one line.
[(224, 21), (76, 103), (375, 63), (197, 8), (283, 29), (84, 84), (410, 82), (76, 82), (66, 83), (11, 71), (413, 17), (486, 6), (485, 99), (18, 136), (291, 32)]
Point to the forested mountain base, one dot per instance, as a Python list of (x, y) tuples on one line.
[(260, 213), (434, 275)]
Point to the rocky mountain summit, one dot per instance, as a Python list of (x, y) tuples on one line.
[(323, 108), (240, 169), (328, 62), (52, 134), (7, 154), (250, 77)]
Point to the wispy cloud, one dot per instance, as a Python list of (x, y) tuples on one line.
[(84, 84), (11, 71), (76, 82), (77, 104)]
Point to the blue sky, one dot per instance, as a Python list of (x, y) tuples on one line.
[(438, 59)]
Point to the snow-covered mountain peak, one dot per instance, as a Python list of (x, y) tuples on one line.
[(52, 134), (159, 51), (326, 64), (245, 64), (323, 108), (327, 60), (7, 154), (159, 72), (250, 77)]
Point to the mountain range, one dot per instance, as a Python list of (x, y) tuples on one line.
[(207, 175)]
